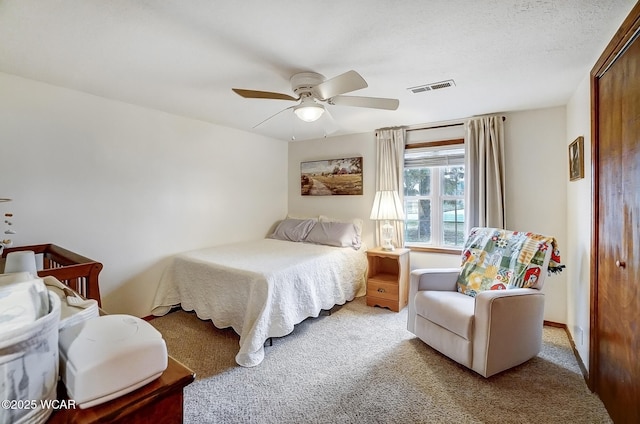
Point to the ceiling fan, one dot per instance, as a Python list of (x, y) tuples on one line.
[(312, 90)]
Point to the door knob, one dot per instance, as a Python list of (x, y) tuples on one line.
[(620, 264)]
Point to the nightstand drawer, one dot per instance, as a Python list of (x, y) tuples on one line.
[(382, 290), (392, 304)]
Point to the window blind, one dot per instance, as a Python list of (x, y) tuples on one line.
[(423, 157)]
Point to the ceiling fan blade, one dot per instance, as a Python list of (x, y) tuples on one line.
[(254, 94), (344, 83), (273, 116), (370, 102)]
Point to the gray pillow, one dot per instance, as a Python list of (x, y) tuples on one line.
[(339, 234), (293, 229)]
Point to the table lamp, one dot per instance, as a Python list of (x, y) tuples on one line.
[(387, 207)]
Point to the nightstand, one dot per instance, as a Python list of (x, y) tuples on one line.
[(388, 278)]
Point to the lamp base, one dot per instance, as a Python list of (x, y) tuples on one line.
[(387, 236), (386, 245)]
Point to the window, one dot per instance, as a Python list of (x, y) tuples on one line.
[(434, 187)]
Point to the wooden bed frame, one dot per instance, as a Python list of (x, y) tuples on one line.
[(76, 271)]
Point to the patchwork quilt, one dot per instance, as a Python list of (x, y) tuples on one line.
[(497, 259)]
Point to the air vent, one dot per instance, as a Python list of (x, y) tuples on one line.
[(433, 86)]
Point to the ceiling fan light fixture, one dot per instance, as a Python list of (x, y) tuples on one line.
[(309, 111), (312, 89)]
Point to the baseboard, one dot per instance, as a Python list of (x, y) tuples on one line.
[(583, 368)]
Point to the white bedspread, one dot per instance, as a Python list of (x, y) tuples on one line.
[(262, 288)]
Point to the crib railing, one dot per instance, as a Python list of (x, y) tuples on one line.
[(76, 271)]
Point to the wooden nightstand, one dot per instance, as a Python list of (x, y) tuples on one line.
[(388, 278)]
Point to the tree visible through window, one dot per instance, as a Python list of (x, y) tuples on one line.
[(434, 187)]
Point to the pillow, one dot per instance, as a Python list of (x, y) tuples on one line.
[(313, 218), (356, 222), (339, 234), (293, 229)]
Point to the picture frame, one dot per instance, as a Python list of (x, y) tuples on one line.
[(331, 177), (576, 159)]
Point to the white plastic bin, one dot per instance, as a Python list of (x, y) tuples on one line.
[(29, 367)]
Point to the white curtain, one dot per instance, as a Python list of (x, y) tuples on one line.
[(484, 163), (390, 172)]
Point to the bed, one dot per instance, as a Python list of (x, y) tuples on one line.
[(263, 288)]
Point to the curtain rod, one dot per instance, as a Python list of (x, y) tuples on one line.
[(434, 127), (441, 126)]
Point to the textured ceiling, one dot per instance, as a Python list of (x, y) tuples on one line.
[(184, 57)]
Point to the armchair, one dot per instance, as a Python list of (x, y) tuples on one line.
[(487, 315)]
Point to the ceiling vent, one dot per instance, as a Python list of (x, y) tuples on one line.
[(433, 86)]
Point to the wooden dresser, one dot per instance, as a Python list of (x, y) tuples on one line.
[(159, 402), (388, 278)]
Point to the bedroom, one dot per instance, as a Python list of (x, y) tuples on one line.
[(131, 185)]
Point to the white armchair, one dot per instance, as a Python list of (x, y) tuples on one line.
[(489, 332)]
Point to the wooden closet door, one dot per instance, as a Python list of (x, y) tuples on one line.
[(617, 303)]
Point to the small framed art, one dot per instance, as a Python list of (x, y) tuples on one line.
[(576, 159)]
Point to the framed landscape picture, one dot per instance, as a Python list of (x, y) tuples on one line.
[(576, 159), (331, 177)]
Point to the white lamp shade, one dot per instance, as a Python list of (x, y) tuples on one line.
[(387, 206), (21, 261)]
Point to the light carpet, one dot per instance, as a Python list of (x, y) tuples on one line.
[(361, 365)]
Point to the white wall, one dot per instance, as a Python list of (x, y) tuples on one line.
[(579, 217), (536, 172), (536, 194), (129, 186), (344, 207)]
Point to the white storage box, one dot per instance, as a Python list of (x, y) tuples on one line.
[(109, 356), (22, 300), (29, 366)]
